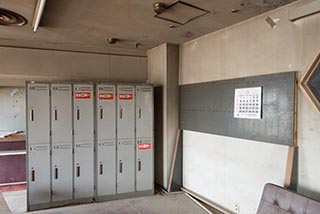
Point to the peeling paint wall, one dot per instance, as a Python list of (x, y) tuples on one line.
[(12, 108), (227, 170)]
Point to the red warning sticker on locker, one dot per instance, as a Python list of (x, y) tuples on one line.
[(144, 146), (83, 95), (125, 96), (105, 96)]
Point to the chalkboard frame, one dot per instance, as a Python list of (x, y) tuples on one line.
[(312, 70)]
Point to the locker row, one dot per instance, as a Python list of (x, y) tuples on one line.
[(88, 142)]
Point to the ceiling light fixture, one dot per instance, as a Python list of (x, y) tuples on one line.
[(38, 14), (10, 18), (112, 40), (159, 7)]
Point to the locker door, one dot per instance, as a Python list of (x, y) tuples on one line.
[(38, 114), (106, 136), (144, 169), (106, 112), (144, 138), (125, 166), (38, 140), (83, 112), (125, 112), (106, 167), (62, 157), (83, 141), (39, 174), (125, 140), (144, 111)]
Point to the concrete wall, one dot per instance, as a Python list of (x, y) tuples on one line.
[(157, 67), (20, 64), (163, 70), (228, 170), (12, 105)]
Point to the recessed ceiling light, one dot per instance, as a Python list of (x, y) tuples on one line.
[(10, 18)]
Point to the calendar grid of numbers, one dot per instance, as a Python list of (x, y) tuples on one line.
[(247, 103)]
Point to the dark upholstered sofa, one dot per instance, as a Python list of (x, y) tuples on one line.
[(278, 200)]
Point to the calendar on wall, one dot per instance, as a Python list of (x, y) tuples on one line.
[(248, 103)]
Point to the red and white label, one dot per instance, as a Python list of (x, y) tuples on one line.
[(144, 146), (83, 95), (125, 96), (105, 96)]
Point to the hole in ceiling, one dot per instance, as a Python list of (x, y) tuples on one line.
[(179, 12), (10, 18)]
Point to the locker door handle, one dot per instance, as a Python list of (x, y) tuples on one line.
[(78, 114), (120, 167), (139, 165), (33, 175), (32, 115), (78, 171), (55, 114), (101, 113), (139, 113), (121, 113), (101, 168), (56, 173)]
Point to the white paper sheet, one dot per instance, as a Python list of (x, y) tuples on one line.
[(248, 103)]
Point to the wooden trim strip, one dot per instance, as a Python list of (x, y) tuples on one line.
[(198, 203), (211, 204), (174, 159), (289, 166)]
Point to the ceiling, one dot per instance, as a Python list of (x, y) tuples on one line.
[(85, 25)]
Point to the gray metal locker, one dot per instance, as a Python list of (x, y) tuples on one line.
[(125, 139), (144, 138), (38, 143), (61, 138), (106, 139), (83, 113)]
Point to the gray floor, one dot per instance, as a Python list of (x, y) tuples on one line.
[(157, 204), (16, 201)]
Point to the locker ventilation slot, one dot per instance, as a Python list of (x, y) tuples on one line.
[(127, 89), (139, 165), (83, 89), (67, 88), (41, 88), (145, 89), (107, 89)]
